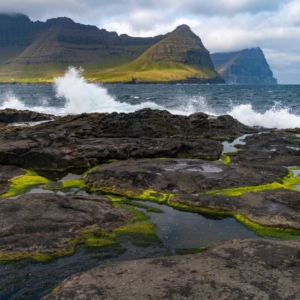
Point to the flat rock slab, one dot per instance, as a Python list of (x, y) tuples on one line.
[(147, 123), (270, 148), (236, 269), (179, 176), (87, 139), (6, 173), (271, 208), (8, 116), (45, 222), (41, 150)]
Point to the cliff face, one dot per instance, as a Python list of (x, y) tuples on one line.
[(182, 46), (248, 66), (40, 49), (61, 40), (179, 56)]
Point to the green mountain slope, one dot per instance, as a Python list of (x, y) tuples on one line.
[(179, 57), (39, 51), (247, 66)]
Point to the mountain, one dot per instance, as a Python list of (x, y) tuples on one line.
[(248, 66), (38, 51)]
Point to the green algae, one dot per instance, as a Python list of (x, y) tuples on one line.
[(66, 184), (224, 159), (288, 182), (56, 289), (138, 230), (190, 250), (270, 231), (258, 229), (144, 195), (23, 183), (97, 237), (139, 205), (39, 256)]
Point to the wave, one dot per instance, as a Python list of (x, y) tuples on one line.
[(82, 96), (79, 96), (276, 117)]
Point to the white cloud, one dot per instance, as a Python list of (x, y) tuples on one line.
[(223, 25)]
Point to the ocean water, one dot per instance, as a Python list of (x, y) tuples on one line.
[(267, 106)]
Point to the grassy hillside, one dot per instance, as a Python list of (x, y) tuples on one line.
[(32, 52), (159, 71)]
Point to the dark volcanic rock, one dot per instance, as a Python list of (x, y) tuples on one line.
[(270, 208), (8, 116), (275, 147), (237, 269), (6, 173), (55, 151), (178, 176), (76, 141), (46, 222)]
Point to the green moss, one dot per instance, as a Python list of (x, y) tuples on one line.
[(190, 251), (144, 195), (56, 289), (139, 205), (97, 237), (261, 230), (247, 189), (21, 184), (288, 182), (142, 227), (201, 210), (37, 256), (224, 159), (66, 184)]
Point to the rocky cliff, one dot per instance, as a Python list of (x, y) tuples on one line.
[(248, 66), (45, 49), (179, 56)]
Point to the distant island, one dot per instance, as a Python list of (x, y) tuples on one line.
[(35, 52), (248, 66)]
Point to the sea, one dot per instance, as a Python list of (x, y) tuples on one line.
[(271, 106)]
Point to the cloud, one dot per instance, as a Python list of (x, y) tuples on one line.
[(223, 25)]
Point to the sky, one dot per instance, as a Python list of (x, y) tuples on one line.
[(222, 25)]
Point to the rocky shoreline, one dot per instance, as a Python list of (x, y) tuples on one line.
[(151, 155)]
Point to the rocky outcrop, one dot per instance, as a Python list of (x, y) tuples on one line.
[(178, 176), (171, 159), (247, 66), (8, 172), (9, 116), (45, 223), (237, 269), (182, 46), (88, 139)]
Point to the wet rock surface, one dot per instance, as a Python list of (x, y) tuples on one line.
[(55, 151), (175, 159), (8, 172), (9, 116), (274, 147), (270, 208), (45, 222), (236, 269), (87, 139), (179, 176)]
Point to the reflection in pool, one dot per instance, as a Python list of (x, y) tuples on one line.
[(181, 229)]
